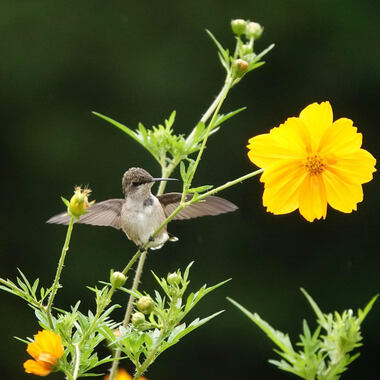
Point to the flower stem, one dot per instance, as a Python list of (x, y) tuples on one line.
[(58, 273), (218, 101), (77, 361), (148, 361), (128, 310), (229, 184)]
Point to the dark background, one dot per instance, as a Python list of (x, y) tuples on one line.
[(137, 61)]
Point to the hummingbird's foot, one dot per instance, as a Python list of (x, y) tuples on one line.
[(151, 238), (141, 249)]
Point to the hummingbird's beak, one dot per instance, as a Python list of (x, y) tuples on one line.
[(163, 179)]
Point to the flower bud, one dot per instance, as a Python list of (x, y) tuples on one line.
[(173, 279), (253, 30), (238, 26), (117, 279), (145, 304), (116, 333), (240, 65), (137, 319), (245, 50), (79, 202)]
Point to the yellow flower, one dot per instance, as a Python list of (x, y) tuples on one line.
[(122, 374), (46, 350), (311, 161)]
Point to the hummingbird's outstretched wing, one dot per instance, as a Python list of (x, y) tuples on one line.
[(208, 206), (106, 213)]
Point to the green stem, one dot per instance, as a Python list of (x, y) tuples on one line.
[(58, 273), (128, 311), (77, 361), (166, 172), (229, 184), (131, 262), (221, 97), (148, 361)]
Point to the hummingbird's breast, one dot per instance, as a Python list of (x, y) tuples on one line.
[(141, 218)]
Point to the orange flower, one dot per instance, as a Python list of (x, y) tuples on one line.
[(311, 161), (46, 350), (122, 374)]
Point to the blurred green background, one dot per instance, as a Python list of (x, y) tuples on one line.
[(138, 61)]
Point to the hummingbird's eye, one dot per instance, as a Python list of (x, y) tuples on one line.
[(135, 183)]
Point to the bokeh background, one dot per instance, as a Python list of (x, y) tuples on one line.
[(138, 61)]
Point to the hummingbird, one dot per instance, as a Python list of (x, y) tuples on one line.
[(141, 213)]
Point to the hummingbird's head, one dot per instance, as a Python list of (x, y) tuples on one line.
[(137, 181)]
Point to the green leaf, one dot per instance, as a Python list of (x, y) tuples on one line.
[(200, 189), (282, 340), (224, 52), (222, 118), (170, 121), (363, 313), (317, 310), (181, 331), (65, 201)]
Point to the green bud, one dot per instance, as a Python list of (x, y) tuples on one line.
[(245, 50), (117, 279), (238, 26), (173, 279), (79, 202), (137, 319), (240, 65), (145, 304), (253, 30)]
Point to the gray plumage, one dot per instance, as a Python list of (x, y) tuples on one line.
[(140, 213)]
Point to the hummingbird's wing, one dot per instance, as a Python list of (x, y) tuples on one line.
[(208, 206), (106, 213)]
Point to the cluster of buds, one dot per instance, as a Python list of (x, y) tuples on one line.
[(145, 306), (78, 204), (250, 31)]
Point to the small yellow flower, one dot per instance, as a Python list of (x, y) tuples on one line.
[(311, 161), (122, 374), (46, 350)]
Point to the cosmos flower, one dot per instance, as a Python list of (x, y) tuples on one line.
[(122, 374), (46, 350), (311, 161)]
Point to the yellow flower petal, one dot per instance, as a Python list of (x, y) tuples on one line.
[(282, 184), (356, 168), (313, 201), (317, 118), (341, 195), (341, 138), (36, 367), (122, 374), (285, 142)]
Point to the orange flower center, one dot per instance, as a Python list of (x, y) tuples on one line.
[(315, 164)]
